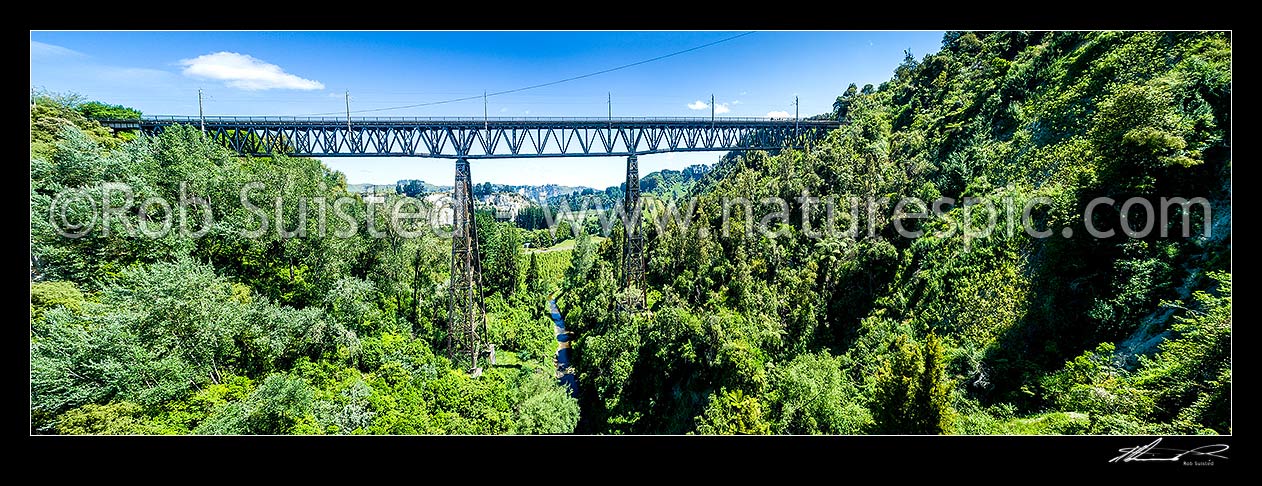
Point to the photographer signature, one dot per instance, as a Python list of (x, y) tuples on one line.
[(1151, 452)]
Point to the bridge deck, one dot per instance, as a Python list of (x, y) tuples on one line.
[(476, 138)]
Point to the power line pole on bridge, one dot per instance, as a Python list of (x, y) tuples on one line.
[(795, 118), (348, 112), (201, 115)]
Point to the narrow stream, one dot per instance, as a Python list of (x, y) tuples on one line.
[(563, 348)]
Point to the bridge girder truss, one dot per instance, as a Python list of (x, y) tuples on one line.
[(490, 138)]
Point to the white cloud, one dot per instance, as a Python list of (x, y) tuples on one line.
[(701, 105), (40, 50), (778, 114), (243, 71), (742, 93), (504, 110), (527, 112), (736, 102)]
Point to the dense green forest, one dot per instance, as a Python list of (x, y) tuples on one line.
[(743, 333), (1004, 334), (219, 334)]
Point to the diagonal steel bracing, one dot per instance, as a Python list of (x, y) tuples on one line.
[(479, 138), (466, 318), (633, 250)]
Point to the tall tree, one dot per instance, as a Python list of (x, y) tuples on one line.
[(896, 382), (933, 390), (533, 285), (841, 107)]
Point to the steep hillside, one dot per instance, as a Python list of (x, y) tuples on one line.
[(977, 332)]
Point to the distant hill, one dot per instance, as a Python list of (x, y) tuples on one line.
[(669, 184), (370, 188), (663, 183), (416, 187), (672, 183), (533, 193)]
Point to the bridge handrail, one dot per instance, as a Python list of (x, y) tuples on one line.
[(396, 119)]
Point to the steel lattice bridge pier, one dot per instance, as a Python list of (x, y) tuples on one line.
[(464, 139)]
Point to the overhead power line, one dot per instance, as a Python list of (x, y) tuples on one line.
[(541, 85)]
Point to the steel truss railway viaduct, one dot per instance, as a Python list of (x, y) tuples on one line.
[(465, 139)]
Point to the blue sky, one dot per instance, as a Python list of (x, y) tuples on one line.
[(304, 73)]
